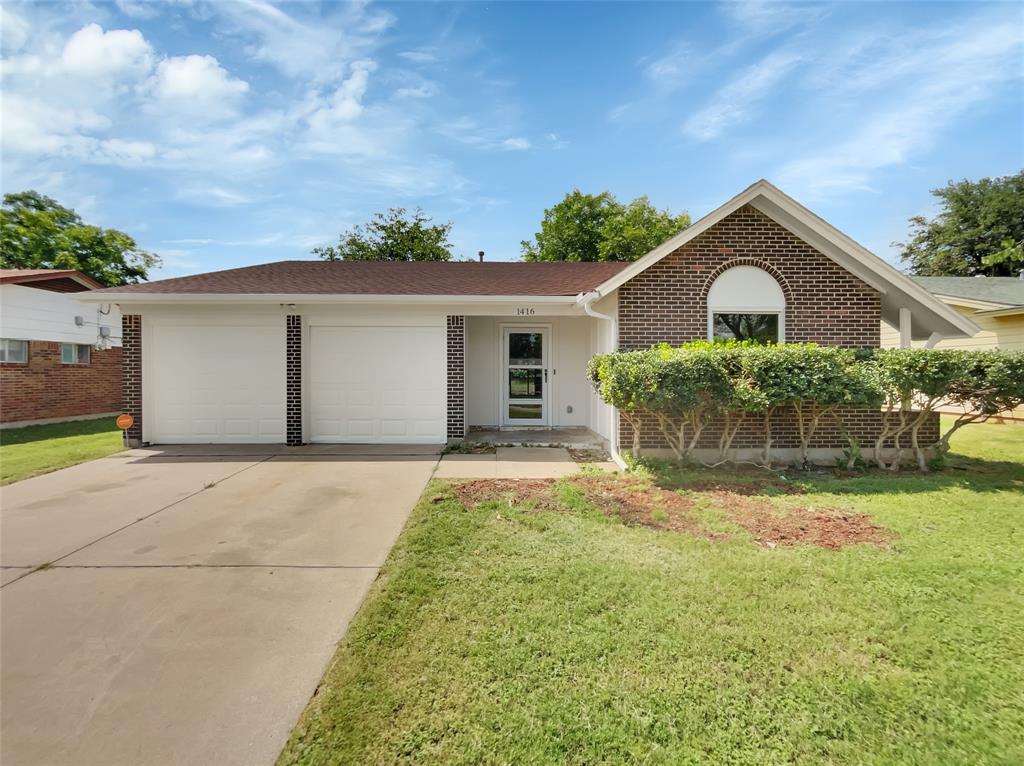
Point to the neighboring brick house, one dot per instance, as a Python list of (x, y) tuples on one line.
[(60, 359), (303, 351)]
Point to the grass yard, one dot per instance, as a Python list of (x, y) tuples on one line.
[(33, 450), (555, 632)]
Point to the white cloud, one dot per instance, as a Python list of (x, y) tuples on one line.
[(138, 9), (196, 78), (120, 53), (331, 119), (14, 30), (515, 144), (316, 49), (733, 103), (122, 152), (423, 90), (214, 195), (947, 75), (426, 55)]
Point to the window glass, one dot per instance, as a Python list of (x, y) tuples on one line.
[(74, 353), (525, 383), (518, 411), (525, 348), (13, 350), (762, 328)]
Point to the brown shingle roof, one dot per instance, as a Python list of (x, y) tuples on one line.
[(390, 278), (24, 276)]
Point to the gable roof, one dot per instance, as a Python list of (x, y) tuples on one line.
[(408, 278), (998, 291), (30, 276), (929, 314)]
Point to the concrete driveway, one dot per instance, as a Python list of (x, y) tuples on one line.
[(191, 598)]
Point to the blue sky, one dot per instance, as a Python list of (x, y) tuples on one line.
[(224, 133)]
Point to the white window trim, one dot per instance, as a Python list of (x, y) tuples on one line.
[(76, 346), (16, 361), (781, 313)]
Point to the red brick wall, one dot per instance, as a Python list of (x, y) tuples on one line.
[(45, 388), (131, 340), (824, 302)]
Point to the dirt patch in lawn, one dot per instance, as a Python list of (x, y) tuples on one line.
[(755, 487), (636, 502), (773, 526), (534, 493)]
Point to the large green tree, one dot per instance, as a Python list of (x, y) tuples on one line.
[(597, 227), (37, 232), (392, 236), (979, 230)]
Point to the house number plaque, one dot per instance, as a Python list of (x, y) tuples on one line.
[(525, 312)]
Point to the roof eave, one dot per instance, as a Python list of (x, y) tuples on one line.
[(287, 298), (848, 253)]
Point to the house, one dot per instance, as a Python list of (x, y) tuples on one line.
[(60, 359), (315, 351), (994, 304)]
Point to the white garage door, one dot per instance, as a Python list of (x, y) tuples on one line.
[(377, 384), (214, 384)]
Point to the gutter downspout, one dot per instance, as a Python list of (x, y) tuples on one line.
[(585, 300)]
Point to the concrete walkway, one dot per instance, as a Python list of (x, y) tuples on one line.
[(513, 463), (191, 598)]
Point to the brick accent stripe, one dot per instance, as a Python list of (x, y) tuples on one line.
[(293, 374), (456, 377), (131, 371)]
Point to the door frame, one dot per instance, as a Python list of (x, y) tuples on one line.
[(547, 349)]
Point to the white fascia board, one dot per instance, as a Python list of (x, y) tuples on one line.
[(1007, 311), (971, 303), (833, 243), (279, 298), (680, 239)]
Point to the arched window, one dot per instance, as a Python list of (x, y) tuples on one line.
[(746, 303)]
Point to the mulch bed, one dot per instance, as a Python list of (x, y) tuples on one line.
[(638, 503)]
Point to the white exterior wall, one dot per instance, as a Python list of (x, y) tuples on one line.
[(570, 341), (28, 313), (602, 340)]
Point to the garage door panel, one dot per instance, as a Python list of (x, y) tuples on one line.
[(215, 383), (377, 384)]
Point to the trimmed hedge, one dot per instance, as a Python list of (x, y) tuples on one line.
[(684, 388)]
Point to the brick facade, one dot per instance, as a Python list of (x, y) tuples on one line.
[(131, 344), (824, 302), (456, 377), (44, 387), (293, 374)]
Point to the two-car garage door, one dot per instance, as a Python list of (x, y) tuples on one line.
[(221, 383)]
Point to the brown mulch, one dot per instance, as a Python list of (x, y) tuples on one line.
[(638, 503)]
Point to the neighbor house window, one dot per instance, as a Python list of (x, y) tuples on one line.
[(74, 353), (14, 351), (746, 303)]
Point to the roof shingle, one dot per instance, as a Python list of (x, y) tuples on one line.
[(389, 278)]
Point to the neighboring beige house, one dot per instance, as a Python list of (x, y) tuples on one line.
[(995, 304)]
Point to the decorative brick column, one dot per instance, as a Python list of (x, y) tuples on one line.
[(293, 373), (456, 377), (131, 374)]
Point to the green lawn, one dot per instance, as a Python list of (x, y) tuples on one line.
[(33, 450), (506, 635)]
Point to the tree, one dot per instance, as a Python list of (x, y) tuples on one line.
[(597, 227), (37, 232), (979, 231), (392, 236)]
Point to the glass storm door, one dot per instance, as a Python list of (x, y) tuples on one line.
[(525, 383)]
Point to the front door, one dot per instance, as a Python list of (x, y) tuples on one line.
[(525, 379)]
